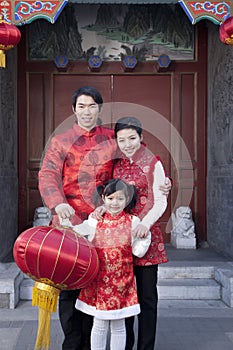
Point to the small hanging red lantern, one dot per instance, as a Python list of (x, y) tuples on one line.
[(57, 259), (9, 37), (226, 31)]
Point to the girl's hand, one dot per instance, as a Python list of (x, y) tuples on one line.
[(140, 231), (98, 213)]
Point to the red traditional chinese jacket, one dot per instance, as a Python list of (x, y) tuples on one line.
[(75, 162)]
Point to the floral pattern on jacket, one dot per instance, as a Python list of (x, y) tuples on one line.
[(75, 162), (139, 172)]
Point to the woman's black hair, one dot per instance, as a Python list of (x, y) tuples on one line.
[(88, 91), (113, 186), (128, 123)]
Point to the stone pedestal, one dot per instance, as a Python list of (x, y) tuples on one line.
[(183, 242), (10, 280)]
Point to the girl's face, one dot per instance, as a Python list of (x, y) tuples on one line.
[(128, 141), (115, 203)]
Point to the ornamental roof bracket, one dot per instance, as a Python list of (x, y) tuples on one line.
[(23, 12)]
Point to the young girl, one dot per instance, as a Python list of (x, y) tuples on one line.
[(112, 296)]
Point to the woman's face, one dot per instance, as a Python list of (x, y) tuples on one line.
[(128, 141)]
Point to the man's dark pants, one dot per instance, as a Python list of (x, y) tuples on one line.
[(75, 324)]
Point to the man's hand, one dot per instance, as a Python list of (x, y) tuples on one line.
[(140, 231), (64, 211), (166, 188)]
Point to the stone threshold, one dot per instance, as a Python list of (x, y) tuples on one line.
[(193, 270)]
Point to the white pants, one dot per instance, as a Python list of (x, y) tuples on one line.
[(100, 331)]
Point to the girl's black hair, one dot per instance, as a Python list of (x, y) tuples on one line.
[(88, 91), (113, 186), (128, 123)]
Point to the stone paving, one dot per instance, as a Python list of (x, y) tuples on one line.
[(182, 325)]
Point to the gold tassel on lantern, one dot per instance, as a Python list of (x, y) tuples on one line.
[(45, 297), (229, 41), (2, 59)]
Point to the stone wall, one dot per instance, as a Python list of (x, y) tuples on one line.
[(8, 156), (220, 144)]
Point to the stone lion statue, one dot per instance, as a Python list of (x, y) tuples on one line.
[(182, 223), (42, 216)]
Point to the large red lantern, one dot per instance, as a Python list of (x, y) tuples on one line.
[(9, 37), (57, 259), (226, 31)]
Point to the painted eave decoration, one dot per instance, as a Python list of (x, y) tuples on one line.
[(215, 11), (22, 12)]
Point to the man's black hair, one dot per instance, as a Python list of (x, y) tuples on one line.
[(88, 91)]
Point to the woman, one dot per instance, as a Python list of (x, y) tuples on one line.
[(138, 166)]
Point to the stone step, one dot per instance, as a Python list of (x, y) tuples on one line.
[(179, 288), (189, 289), (25, 290), (177, 305), (181, 270)]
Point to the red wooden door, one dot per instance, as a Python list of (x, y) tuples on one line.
[(171, 106)]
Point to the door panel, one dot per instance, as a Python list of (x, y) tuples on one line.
[(139, 97), (64, 86), (148, 98)]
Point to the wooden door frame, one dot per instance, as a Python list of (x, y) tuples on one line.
[(108, 68)]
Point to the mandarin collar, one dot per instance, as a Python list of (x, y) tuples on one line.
[(80, 131), (112, 217)]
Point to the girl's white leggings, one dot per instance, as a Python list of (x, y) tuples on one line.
[(100, 331)]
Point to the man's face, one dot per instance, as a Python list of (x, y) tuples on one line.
[(86, 111)]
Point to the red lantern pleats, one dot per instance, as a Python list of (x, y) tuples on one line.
[(57, 259), (56, 256), (226, 31), (9, 37)]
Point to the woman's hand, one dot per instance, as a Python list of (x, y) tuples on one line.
[(166, 188), (140, 231), (98, 213)]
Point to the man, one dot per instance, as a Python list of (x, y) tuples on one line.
[(75, 162), (72, 167)]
